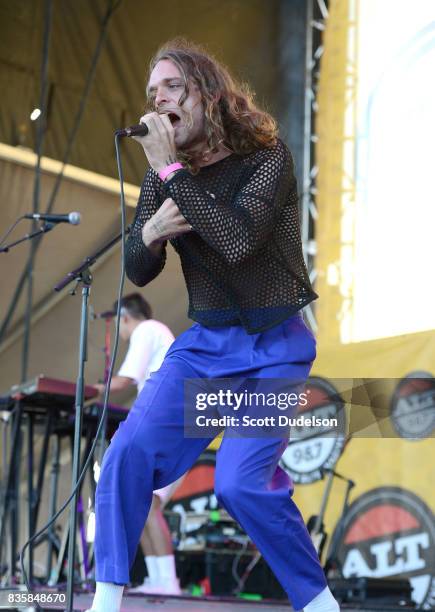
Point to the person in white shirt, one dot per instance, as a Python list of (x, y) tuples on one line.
[(149, 341)]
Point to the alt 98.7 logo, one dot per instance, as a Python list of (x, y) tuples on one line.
[(413, 406), (313, 449), (390, 532)]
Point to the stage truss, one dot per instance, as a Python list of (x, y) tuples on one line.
[(343, 148)]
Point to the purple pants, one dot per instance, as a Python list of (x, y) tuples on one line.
[(149, 451)]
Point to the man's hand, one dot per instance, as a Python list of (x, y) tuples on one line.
[(100, 388), (158, 144), (119, 383), (166, 223)]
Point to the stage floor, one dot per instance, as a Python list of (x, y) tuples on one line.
[(187, 603), (141, 603)]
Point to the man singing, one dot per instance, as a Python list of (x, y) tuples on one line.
[(221, 188)]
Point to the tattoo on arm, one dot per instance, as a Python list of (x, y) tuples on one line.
[(158, 227)]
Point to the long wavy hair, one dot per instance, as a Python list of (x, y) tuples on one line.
[(231, 116)]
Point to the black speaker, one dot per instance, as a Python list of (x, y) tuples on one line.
[(224, 569), (387, 591)]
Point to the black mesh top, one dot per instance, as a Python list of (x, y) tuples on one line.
[(243, 261)]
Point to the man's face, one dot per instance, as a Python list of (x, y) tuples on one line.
[(165, 88)]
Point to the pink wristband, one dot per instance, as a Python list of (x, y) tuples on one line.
[(171, 168)]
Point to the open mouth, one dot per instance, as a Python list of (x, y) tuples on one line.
[(174, 118)]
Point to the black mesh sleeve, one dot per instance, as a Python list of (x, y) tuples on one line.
[(141, 265), (236, 231)]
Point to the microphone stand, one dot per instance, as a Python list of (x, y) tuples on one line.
[(83, 275), (42, 230)]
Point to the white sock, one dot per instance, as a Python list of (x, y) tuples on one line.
[(323, 602), (166, 569), (152, 569), (108, 597)]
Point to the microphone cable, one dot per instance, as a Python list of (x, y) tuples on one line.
[(10, 230)]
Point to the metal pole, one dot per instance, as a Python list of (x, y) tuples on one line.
[(306, 162), (79, 403)]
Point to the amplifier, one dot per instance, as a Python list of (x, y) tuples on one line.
[(228, 571)]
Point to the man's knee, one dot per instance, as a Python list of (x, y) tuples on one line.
[(118, 449), (125, 459)]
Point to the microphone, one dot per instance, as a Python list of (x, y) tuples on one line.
[(73, 217), (133, 130)]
